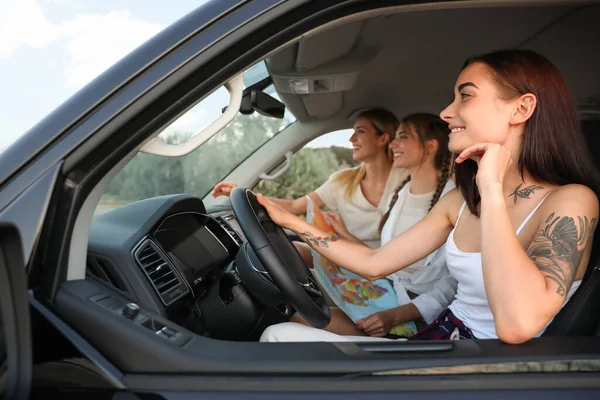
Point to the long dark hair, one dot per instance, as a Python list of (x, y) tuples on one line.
[(428, 127), (553, 148)]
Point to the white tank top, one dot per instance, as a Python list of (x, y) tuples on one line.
[(471, 304)]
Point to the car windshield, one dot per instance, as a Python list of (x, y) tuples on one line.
[(196, 173)]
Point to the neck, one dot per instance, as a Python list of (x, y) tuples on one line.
[(378, 170), (513, 177), (423, 179), (529, 186)]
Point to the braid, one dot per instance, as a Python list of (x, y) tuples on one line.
[(442, 180), (392, 203)]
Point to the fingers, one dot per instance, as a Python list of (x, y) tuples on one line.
[(332, 218), (223, 189), (360, 324), (331, 215), (262, 200), (376, 328), (476, 150), (377, 333), (369, 323)]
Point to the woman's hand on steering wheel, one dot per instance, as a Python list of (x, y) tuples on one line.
[(223, 189), (275, 251), (280, 216)]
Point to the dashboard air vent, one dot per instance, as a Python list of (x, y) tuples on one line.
[(161, 273), (230, 231)]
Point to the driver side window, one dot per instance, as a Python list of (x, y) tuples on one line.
[(312, 166)]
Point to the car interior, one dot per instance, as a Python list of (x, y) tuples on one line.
[(172, 283)]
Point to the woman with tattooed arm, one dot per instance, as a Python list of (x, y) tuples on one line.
[(518, 230)]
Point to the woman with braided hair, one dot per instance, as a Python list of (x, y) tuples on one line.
[(420, 146)]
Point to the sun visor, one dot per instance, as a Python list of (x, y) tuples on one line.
[(324, 47), (323, 105)]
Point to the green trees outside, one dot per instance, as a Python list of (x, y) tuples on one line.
[(148, 175), (310, 169)]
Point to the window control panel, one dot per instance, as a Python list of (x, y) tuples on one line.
[(132, 312)]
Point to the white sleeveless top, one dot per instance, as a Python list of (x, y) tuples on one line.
[(471, 304)]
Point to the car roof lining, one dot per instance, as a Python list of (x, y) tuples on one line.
[(425, 68)]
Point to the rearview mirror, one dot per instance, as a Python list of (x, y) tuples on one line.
[(262, 103)]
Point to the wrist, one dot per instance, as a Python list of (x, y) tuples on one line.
[(344, 235), (297, 224), (492, 192), (394, 315)]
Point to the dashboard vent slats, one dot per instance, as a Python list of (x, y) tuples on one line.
[(230, 231), (166, 281)]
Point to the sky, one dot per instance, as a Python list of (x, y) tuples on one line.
[(49, 49)]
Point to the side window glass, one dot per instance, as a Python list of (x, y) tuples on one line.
[(311, 166)]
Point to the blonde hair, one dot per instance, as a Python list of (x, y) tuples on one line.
[(384, 122)]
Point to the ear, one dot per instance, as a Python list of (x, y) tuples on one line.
[(385, 138), (524, 108), (432, 146)]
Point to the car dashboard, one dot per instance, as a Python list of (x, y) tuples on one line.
[(172, 257)]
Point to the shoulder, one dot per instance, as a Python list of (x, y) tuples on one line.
[(573, 199), (334, 188), (450, 205), (448, 187), (454, 197), (343, 173), (569, 211)]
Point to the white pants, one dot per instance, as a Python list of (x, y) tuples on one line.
[(293, 332)]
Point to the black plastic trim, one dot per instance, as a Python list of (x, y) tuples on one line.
[(434, 385), (110, 372), (407, 347), (14, 314)]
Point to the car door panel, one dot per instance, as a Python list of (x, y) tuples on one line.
[(146, 352), (113, 116), (15, 381), (35, 199)]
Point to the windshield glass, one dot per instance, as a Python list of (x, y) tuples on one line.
[(148, 175)]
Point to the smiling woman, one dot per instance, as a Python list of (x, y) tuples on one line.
[(359, 194), (509, 105), (150, 316)]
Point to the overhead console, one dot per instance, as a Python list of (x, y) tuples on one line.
[(312, 76)]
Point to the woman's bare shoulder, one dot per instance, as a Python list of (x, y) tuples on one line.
[(573, 196), (449, 205), (453, 198)]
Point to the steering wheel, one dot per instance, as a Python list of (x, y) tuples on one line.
[(280, 258)]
